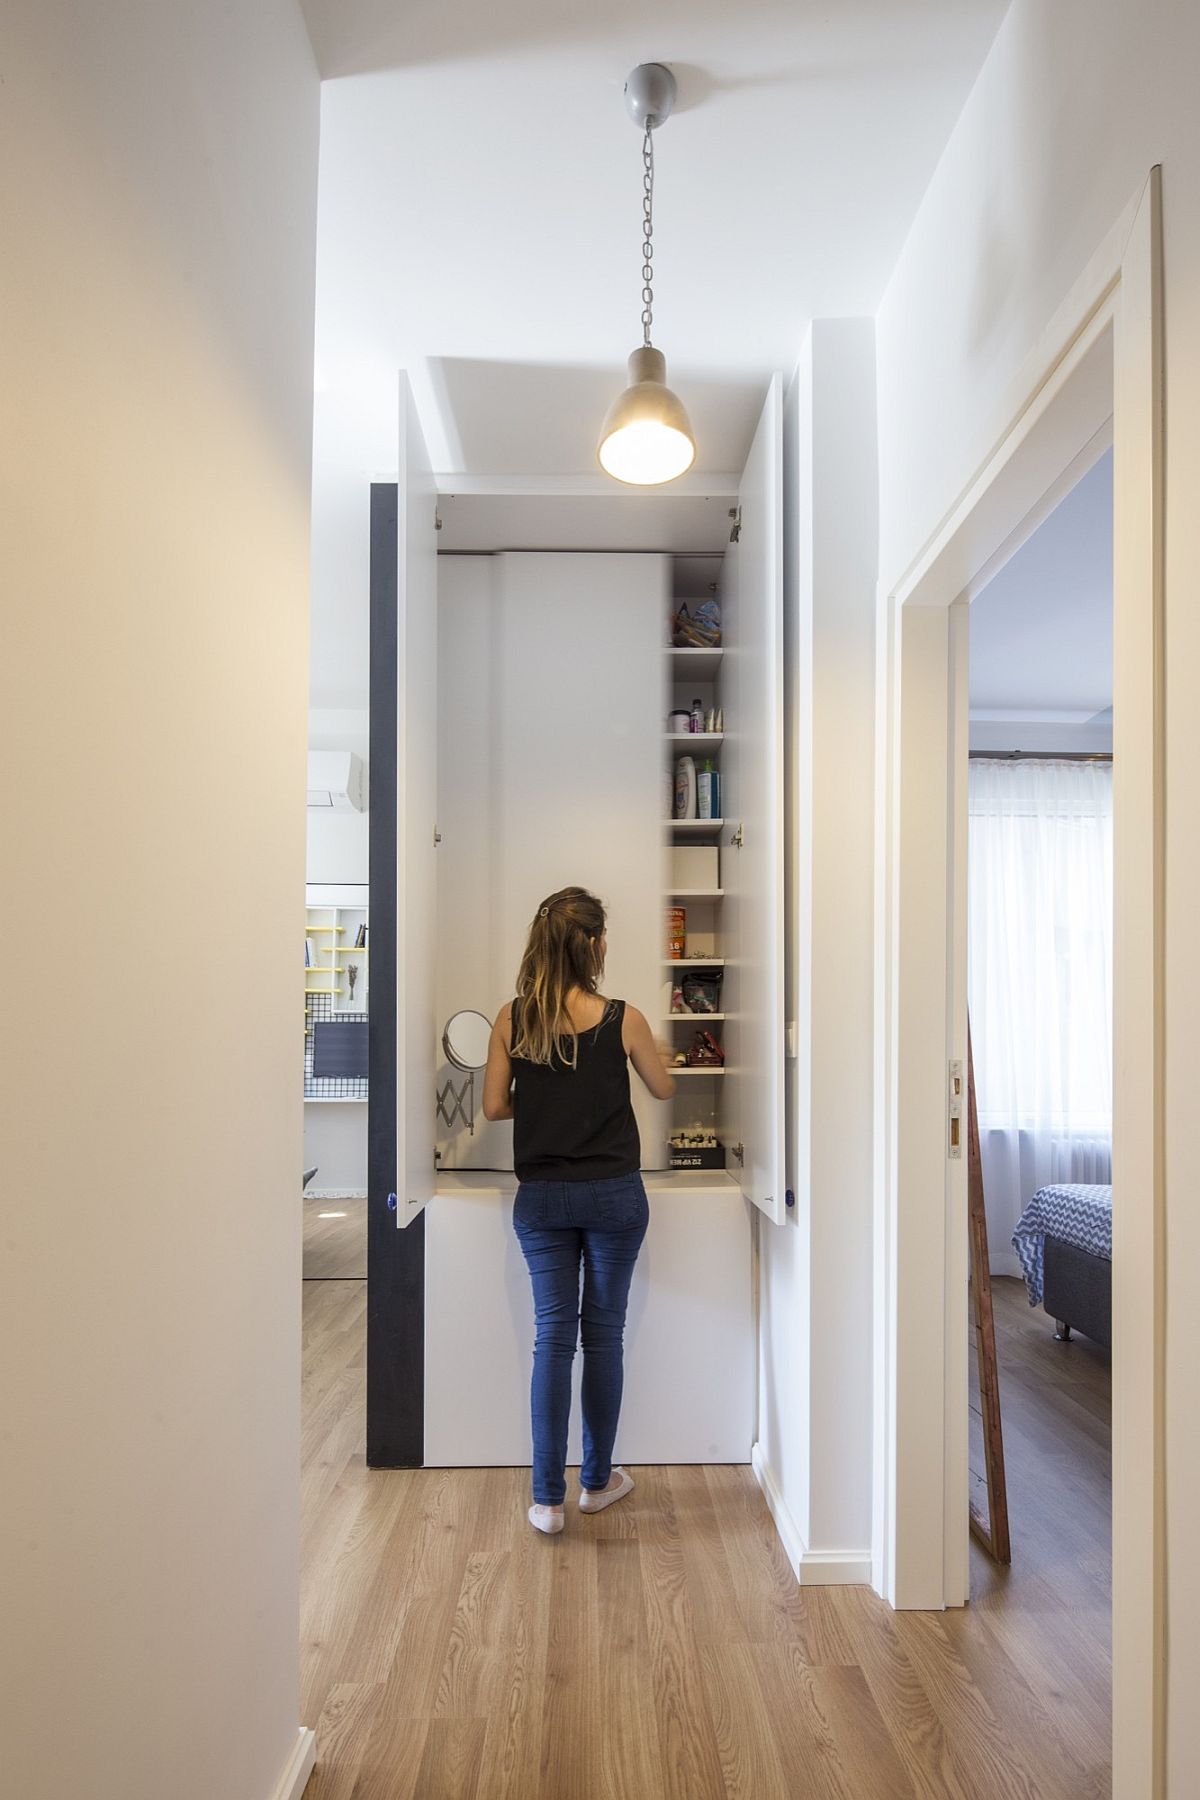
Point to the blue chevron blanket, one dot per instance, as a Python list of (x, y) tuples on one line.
[(1075, 1214)]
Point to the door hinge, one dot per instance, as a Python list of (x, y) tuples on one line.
[(954, 1136), (735, 530), (437, 519), (738, 1152), (738, 839), (437, 837)]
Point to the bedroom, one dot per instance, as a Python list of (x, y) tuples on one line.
[(1040, 933)]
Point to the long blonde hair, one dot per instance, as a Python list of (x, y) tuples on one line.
[(563, 954)]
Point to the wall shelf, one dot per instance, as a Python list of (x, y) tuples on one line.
[(692, 1018), (713, 1069), (694, 962), (696, 827), (698, 740), (700, 665), (695, 893)]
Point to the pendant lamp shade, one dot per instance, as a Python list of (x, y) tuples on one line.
[(647, 437)]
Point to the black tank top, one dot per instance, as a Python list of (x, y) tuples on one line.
[(576, 1124)]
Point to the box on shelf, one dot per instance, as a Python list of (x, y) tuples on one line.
[(711, 1156), (676, 938), (695, 866)]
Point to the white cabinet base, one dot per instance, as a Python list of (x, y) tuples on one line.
[(689, 1336)]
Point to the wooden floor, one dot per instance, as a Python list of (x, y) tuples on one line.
[(662, 1648), (335, 1239)]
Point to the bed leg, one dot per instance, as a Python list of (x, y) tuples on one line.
[(1062, 1332)]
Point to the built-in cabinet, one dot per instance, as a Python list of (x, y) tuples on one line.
[(536, 756), (532, 692)]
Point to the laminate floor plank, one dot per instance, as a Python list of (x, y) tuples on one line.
[(689, 1753), (662, 1650)]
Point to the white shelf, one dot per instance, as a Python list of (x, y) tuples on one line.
[(700, 665), (698, 740), (694, 962), (695, 893), (695, 827), (715, 1069), (690, 1018)]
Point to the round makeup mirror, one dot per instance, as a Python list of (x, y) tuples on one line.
[(466, 1038)]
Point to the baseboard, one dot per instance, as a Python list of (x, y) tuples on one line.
[(812, 1568), (316, 1193), (299, 1766)]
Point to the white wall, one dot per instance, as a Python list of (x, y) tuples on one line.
[(339, 843), (1076, 101), (158, 170), (815, 1374)]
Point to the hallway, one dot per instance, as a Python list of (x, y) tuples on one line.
[(658, 1649)]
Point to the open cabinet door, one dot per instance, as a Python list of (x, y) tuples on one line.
[(416, 828), (752, 852)]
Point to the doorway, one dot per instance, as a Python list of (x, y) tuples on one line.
[(1102, 357), (1039, 1145)]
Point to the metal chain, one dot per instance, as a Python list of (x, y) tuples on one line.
[(647, 234)]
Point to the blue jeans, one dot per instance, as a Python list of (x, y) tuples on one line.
[(559, 1225)]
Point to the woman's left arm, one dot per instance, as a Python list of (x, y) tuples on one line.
[(498, 1076)]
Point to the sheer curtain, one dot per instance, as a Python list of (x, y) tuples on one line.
[(1039, 980)]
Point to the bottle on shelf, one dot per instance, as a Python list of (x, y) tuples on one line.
[(697, 715), (685, 788), (704, 792)]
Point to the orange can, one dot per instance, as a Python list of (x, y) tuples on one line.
[(676, 932)]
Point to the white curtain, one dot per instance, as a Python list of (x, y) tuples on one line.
[(1039, 979)]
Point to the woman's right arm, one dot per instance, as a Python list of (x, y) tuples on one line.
[(498, 1075), (649, 1058)]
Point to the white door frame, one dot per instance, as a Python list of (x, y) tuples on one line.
[(1101, 357)]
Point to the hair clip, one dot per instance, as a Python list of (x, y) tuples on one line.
[(545, 912)]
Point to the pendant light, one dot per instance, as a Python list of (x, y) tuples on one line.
[(647, 437)]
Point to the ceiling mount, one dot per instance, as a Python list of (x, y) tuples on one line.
[(650, 95)]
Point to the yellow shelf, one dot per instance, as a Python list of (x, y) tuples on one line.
[(310, 929), (332, 990), (350, 949)]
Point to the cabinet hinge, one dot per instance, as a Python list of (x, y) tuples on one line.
[(735, 530), (738, 1152), (738, 839), (437, 837)]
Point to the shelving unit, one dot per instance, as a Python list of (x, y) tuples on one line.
[(338, 915), (695, 675)]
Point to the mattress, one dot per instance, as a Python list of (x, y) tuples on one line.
[(1076, 1214)]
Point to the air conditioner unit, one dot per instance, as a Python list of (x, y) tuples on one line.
[(335, 781)]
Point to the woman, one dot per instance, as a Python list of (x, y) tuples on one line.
[(558, 1066)]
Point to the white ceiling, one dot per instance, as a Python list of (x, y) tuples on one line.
[(1041, 631), (481, 190)]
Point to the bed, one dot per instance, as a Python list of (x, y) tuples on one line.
[(1063, 1241)]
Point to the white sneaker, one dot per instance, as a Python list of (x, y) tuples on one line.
[(546, 1518), (597, 1502)]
